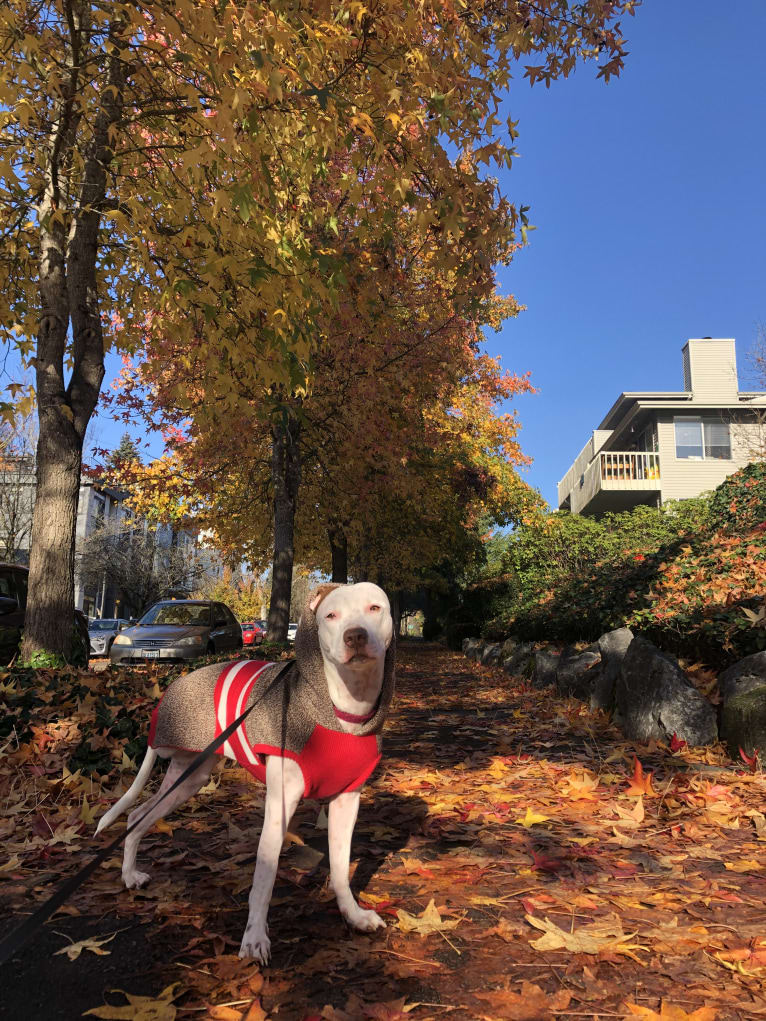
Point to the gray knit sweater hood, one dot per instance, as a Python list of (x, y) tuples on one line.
[(290, 699)]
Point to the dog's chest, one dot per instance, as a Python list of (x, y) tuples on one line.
[(332, 760)]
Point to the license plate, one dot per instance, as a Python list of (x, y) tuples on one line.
[(152, 653)]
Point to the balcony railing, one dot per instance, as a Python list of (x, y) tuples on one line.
[(629, 466)]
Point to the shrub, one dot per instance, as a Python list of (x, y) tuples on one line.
[(691, 575), (739, 503), (698, 602)]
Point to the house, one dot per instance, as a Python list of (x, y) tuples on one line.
[(98, 591), (654, 447)]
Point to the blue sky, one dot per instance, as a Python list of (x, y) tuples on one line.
[(649, 199)]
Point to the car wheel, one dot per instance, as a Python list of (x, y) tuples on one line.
[(210, 649)]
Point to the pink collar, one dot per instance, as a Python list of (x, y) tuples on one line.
[(351, 717)]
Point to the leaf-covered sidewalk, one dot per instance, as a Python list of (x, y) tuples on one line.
[(530, 865)]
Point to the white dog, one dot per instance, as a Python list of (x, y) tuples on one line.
[(314, 732)]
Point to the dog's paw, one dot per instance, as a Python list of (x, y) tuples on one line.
[(256, 945), (365, 921), (135, 880)]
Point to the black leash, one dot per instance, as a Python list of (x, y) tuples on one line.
[(21, 935)]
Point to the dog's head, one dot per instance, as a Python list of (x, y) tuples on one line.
[(353, 622)]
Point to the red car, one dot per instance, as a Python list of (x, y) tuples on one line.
[(253, 632)]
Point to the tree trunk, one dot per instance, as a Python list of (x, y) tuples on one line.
[(49, 620), (68, 287), (339, 553), (395, 602), (286, 474)]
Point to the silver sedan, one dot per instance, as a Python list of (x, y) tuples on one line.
[(178, 629)]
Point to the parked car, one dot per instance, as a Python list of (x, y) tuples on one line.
[(178, 629), (253, 632), (102, 633), (13, 604), (291, 629)]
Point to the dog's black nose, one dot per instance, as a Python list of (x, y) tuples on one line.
[(355, 637)]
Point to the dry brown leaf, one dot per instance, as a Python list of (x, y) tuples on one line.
[(670, 1013), (531, 1003), (604, 934), (427, 922), (74, 950), (140, 1008), (224, 1013)]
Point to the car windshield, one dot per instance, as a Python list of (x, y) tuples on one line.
[(102, 625), (182, 614)]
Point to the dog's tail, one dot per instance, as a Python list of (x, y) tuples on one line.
[(131, 795)]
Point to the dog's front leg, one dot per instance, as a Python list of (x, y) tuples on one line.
[(340, 825), (284, 789)]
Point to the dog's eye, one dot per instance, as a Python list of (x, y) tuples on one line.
[(374, 608), (331, 615)]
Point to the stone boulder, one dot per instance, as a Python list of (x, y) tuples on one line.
[(546, 665), (612, 646), (490, 655), (746, 675), (578, 671), (507, 648), (743, 722), (655, 699), (472, 647), (520, 661)]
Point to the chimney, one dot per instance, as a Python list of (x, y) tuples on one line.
[(710, 369)]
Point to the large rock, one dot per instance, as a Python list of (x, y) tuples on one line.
[(578, 671), (491, 653), (546, 664), (472, 647), (507, 648), (743, 722), (612, 646), (747, 675), (655, 699), (520, 661)]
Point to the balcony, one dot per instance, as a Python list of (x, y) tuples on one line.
[(629, 470), (617, 480)]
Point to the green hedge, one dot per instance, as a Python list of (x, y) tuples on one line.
[(685, 574)]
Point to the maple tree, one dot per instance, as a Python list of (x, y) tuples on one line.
[(397, 444), (160, 157)]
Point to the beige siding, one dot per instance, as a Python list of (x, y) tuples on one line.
[(711, 366), (683, 478)]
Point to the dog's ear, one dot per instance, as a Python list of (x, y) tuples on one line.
[(318, 595)]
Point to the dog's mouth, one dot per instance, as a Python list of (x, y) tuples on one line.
[(359, 657)]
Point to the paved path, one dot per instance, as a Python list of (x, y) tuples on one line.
[(506, 840)]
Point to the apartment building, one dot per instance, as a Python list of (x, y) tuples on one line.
[(654, 447), (99, 506)]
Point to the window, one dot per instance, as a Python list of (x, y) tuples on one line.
[(7, 588), (647, 440), (21, 588), (702, 438), (717, 442), (99, 511)]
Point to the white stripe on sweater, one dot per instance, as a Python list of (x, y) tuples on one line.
[(240, 733), (223, 702)]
